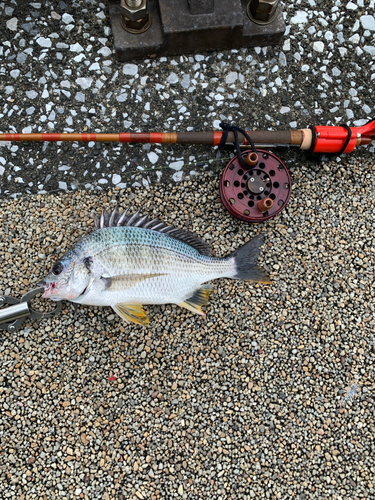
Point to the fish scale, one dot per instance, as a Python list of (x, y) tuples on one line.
[(129, 261), (118, 251)]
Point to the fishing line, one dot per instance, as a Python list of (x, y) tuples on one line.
[(168, 167)]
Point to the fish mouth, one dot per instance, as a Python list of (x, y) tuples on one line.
[(46, 287)]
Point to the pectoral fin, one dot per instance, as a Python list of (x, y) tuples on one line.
[(199, 298), (132, 313), (126, 281)]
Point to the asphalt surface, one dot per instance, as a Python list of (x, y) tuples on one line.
[(272, 396), (59, 74)]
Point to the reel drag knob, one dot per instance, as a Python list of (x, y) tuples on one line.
[(258, 193)]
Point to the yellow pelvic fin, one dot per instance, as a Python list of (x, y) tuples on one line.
[(132, 313), (199, 298)]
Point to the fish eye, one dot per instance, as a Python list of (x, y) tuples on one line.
[(57, 268)]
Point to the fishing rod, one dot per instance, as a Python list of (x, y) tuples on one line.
[(255, 185), (317, 139)]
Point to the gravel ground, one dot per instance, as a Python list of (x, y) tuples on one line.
[(272, 396)]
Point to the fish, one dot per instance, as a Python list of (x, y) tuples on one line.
[(129, 261)]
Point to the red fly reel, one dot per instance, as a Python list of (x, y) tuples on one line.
[(258, 193)]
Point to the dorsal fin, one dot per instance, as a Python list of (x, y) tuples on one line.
[(139, 220)]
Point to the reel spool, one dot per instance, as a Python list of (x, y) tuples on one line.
[(259, 193)]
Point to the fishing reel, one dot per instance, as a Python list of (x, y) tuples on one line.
[(260, 191)]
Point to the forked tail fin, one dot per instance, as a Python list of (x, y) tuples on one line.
[(246, 261)]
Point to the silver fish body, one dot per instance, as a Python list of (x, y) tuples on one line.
[(132, 264), (126, 267)]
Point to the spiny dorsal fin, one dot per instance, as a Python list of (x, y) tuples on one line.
[(138, 220)]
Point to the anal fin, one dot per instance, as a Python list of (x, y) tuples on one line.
[(199, 298), (132, 313)]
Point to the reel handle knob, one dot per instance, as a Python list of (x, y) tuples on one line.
[(251, 159), (265, 204)]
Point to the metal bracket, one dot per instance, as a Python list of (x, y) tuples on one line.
[(13, 316), (190, 26)]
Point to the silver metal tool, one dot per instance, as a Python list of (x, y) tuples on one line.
[(13, 316)]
